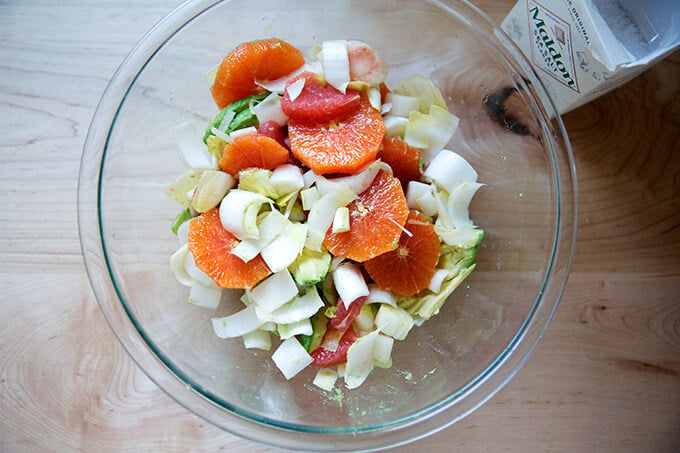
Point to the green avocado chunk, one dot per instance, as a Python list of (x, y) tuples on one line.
[(183, 216), (243, 116)]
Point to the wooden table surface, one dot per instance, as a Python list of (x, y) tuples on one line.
[(606, 376)]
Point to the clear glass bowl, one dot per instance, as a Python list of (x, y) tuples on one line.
[(446, 368)]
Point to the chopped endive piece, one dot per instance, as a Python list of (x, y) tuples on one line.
[(238, 213), (309, 197), (225, 122), (416, 190), (274, 291), (287, 178), (211, 73), (238, 324), (459, 203), (422, 88), (295, 89), (402, 105), (183, 233), (394, 322), (430, 132), (257, 180), (309, 177), (285, 248), (335, 60), (196, 273), (382, 351), (463, 237), (243, 131), (291, 358), (321, 215), (385, 108), (268, 326), (325, 379), (448, 170), (356, 183), (211, 189), (365, 320), (379, 296), (341, 220), (183, 184), (270, 225), (204, 296), (287, 202), (216, 145), (279, 85), (270, 110), (437, 279), (310, 267), (247, 249), (192, 150), (395, 126), (300, 308), (349, 283), (375, 98), (257, 339), (360, 360), (427, 204), (303, 327), (177, 265)]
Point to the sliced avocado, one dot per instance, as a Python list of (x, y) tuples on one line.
[(243, 117), (310, 267), (183, 216)]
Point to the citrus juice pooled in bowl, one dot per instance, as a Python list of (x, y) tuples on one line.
[(330, 200)]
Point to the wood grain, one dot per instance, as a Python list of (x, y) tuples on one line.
[(606, 377)]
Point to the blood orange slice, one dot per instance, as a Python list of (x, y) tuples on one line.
[(266, 59), (211, 246), (318, 102), (252, 150), (333, 351), (410, 267), (344, 145), (375, 221), (402, 158)]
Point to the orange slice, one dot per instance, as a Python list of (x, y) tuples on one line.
[(252, 150), (211, 246), (402, 158), (267, 59), (344, 145), (410, 267), (375, 221)]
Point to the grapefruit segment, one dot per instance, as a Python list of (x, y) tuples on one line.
[(343, 145), (375, 218), (318, 102), (211, 246), (266, 59), (409, 268), (252, 150)]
